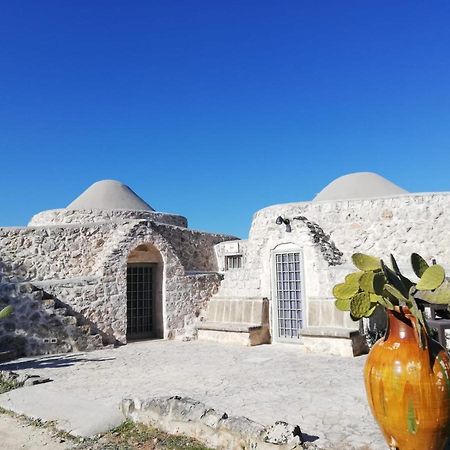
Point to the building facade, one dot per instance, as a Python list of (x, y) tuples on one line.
[(279, 287), (109, 269)]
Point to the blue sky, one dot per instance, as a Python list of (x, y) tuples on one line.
[(215, 109)]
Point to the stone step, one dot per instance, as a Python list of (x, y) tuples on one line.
[(237, 327), (59, 329), (236, 334)]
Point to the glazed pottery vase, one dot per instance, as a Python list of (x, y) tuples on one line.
[(408, 388)]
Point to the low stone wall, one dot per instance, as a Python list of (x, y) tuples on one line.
[(183, 415)]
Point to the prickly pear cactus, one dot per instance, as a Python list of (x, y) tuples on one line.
[(375, 284)]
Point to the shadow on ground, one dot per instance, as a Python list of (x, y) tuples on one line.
[(50, 362), (309, 437)]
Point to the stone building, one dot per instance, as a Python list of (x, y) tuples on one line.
[(278, 284), (108, 268), (104, 270)]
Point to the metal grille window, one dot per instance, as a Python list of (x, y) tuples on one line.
[(289, 298), (233, 262), (139, 301)]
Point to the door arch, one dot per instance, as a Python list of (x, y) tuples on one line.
[(145, 271)]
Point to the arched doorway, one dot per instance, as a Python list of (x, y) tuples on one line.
[(144, 293)]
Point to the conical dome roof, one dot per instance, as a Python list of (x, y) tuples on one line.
[(109, 194), (359, 185)]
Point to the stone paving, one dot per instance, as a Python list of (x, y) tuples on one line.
[(323, 394)]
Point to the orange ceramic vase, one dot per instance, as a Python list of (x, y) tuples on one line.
[(408, 388)]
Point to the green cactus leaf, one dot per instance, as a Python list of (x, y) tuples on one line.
[(360, 304), (372, 282), (406, 282), (372, 309), (394, 265), (431, 279), (392, 279), (5, 312), (366, 262), (353, 278), (343, 304), (421, 323), (383, 301), (419, 265), (344, 290), (366, 282), (440, 296), (395, 293)]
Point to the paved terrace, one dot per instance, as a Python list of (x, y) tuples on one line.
[(323, 394)]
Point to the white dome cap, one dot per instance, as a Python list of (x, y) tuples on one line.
[(359, 185), (109, 194)]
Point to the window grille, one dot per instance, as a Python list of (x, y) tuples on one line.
[(139, 301), (288, 295), (233, 262)]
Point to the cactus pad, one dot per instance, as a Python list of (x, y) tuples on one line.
[(431, 279), (366, 262)]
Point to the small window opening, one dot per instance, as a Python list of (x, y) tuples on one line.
[(233, 262)]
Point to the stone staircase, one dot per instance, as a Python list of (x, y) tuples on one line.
[(41, 324), (237, 313)]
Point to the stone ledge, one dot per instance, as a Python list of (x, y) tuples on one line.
[(232, 327), (345, 342), (183, 415), (342, 333)]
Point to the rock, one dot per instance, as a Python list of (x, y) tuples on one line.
[(284, 433)]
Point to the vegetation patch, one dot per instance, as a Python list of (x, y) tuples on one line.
[(7, 385), (135, 436)]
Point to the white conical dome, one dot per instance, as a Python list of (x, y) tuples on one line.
[(359, 185), (109, 194)]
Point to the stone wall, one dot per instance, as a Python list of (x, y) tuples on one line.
[(184, 292), (52, 252), (398, 225), (68, 216), (194, 248), (84, 267)]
